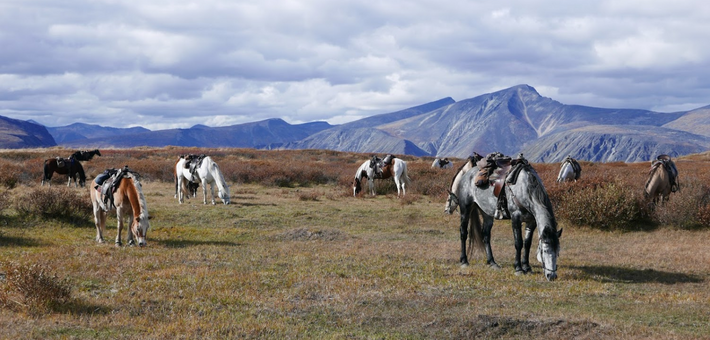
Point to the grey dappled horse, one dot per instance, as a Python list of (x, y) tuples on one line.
[(527, 202)]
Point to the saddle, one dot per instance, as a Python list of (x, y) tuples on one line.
[(109, 186), (61, 162), (443, 162), (193, 162), (498, 170), (575, 166)]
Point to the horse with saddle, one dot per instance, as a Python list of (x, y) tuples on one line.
[(497, 170)]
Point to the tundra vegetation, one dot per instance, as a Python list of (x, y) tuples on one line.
[(296, 256)]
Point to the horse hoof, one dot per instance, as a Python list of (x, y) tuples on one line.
[(119, 244), (494, 266), (464, 265)]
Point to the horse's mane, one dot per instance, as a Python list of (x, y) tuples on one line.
[(538, 193), (135, 180)]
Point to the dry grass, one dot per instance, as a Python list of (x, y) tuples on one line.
[(307, 260)]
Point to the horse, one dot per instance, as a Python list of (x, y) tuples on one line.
[(662, 179), (209, 173), (185, 181), (85, 155), (442, 164), (528, 203), (397, 169), (129, 203), (70, 167), (369, 169), (570, 170), (470, 163)]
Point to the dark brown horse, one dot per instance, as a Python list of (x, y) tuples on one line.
[(64, 166), (85, 155)]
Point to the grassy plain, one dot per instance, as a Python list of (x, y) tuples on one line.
[(287, 260)]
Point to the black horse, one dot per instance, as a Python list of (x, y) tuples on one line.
[(85, 155), (69, 166)]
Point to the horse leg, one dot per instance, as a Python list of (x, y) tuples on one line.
[(518, 237), (529, 230), (212, 193), (465, 218), (204, 191), (119, 217), (99, 220), (487, 226)]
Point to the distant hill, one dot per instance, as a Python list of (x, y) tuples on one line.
[(80, 131), (263, 134), (15, 134)]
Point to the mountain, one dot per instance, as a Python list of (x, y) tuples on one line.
[(263, 134), (512, 120), (80, 131), (16, 134), (519, 119)]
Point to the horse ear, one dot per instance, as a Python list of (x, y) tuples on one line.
[(559, 233)]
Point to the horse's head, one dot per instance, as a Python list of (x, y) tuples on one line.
[(224, 194), (139, 228), (376, 166), (451, 203), (97, 152), (548, 249)]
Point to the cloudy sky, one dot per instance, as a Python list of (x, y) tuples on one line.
[(173, 64)]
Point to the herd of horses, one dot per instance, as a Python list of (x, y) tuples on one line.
[(483, 189)]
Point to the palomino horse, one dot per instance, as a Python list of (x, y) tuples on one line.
[(397, 169), (470, 163), (85, 155), (528, 203), (369, 169), (570, 170), (209, 173), (64, 166), (129, 203), (442, 164), (185, 181), (662, 179)]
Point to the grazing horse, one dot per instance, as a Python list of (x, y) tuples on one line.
[(662, 179), (397, 169), (129, 203), (209, 173), (185, 181), (85, 155), (528, 202), (470, 163), (64, 166), (369, 169), (442, 164), (570, 170)]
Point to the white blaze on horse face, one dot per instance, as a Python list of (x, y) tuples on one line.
[(547, 256)]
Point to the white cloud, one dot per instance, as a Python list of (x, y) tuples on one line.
[(163, 63)]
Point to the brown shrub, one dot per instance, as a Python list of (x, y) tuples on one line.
[(32, 288), (54, 202)]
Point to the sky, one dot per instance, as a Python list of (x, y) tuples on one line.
[(174, 64)]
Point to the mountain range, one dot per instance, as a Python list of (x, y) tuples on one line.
[(511, 121)]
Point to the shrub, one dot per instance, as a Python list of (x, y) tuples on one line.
[(685, 209), (32, 288), (55, 202), (607, 206)]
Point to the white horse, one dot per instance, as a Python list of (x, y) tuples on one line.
[(442, 164), (209, 173), (183, 178), (369, 169), (569, 171), (397, 169)]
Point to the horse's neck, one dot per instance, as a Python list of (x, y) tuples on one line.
[(131, 191)]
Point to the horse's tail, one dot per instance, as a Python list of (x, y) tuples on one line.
[(475, 232), (405, 174)]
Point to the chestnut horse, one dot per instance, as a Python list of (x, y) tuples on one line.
[(129, 203), (70, 167)]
